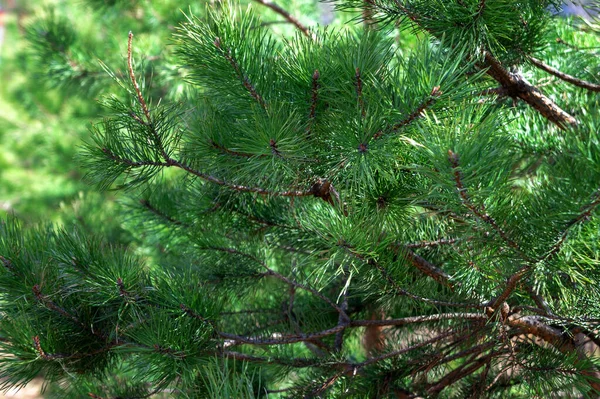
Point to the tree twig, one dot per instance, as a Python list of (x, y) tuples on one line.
[(563, 76), (290, 18)]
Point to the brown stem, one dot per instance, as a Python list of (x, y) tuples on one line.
[(428, 268), (563, 76), (170, 162), (453, 158), (271, 272), (134, 81), (584, 215), (343, 319), (518, 87), (429, 244), (287, 16), (313, 101), (417, 113), (359, 92), (236, 67)]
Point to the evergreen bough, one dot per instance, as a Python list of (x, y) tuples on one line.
[(335, 214)]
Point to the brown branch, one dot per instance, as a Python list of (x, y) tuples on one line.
[(539, 301), (462, 372), (343, 318), (429, 244), (316, 393), (273, 273), (518, 87), (419, 262), (129, 162), (236, 67), (401, 291), (453, 158), (294, 362), (78, 355), (146, 204), (288, 17), (563, 76), (428, 268), (481, 8), (571, 46), (359, 92), (284, 340), (134, 81), (219, 147), (535, 326), (511, 284), (399, 352), (37, 291), (417, 113), (7, 264), (310, 337), (584, 215), (237, 187), (170, 162), (313, 101), (419, 319)]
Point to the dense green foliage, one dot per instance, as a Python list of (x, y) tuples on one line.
[(401, 208)]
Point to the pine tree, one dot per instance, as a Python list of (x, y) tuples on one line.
[(335, 214)]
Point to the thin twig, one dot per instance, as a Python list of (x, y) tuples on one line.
[(271, 272), (290, 18), (453, 158), (236, 67), (417, 113), (134, 81), (313, 101), (563, 76), (343, 318)]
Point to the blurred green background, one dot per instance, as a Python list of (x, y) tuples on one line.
[(48, 98)]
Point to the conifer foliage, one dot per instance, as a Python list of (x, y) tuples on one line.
[(333, 214)]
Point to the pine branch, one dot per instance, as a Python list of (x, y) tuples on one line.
[(271, 272), (359, 92), (417, 113), (429, 244), (511, 285), (463, 371), (563, 76), (238, 70), (170, 220), (224, 150), (583, 216), (518, 87), (402, 351), (453, 158), (289, 362), (313, 101), (428, 268), (401, 291), (134, 81), (343, 319), (291, 19)]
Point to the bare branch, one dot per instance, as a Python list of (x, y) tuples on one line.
[(134, 81), (428, 268), (518, 86), (563, 76)]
